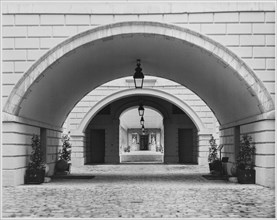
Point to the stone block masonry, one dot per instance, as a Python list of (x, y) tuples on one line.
[(30, 30), (263, 134), (16, 149), (28, 34)]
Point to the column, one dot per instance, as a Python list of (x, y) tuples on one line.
[(203, 148), (78, 143), (263, 135)]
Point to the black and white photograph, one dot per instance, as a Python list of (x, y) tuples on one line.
[(131, 109)]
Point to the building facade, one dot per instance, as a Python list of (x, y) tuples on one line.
[(208, 67)]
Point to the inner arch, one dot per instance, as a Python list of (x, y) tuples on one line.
[(144, 92)]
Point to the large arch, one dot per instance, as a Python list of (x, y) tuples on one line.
[(53, 85), (108, 52), (148, 92)]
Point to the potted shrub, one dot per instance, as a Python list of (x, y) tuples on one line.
[(245, 161), (63, 164), (214, 161), (36, 168)]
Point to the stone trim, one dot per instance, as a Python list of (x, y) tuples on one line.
[(265, 116), (134, 7), (8, 118)]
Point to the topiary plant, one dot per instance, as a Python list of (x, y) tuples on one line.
[(65, 152), (36, 168), (245, 159), (36, 161), (213, 156), (63, 164)]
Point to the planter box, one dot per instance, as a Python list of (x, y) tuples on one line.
[(246, 176), (62, 167), (34, 176), (215, 166)]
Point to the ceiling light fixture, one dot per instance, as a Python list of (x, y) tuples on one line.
[(138, 76), (142, 120), (141, 110)]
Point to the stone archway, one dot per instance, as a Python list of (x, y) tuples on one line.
[(110, 123), (78, 135), (186, 46), (58, 80), (150, 92)]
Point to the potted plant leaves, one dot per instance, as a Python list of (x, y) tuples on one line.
[(245, 161), (214, 161), (36, 168), (63, 164)]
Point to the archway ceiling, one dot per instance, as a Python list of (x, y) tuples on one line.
[(89, 66)]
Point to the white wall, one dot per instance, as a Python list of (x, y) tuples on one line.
[(31, 29), (17, 140)]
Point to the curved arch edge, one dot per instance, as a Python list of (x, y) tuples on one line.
[(226, 56), (149, 92)]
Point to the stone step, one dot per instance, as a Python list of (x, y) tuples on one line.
[(142, 157)]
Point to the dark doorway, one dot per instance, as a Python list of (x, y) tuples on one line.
[(143, 142), (97, 146), (185, 142)]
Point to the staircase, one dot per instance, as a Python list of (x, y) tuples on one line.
[(142, 157)]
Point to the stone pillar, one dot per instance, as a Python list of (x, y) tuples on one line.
[(53, 144), (16, 148), (203, 148), (263, 135), (78, 143), (112, 143), (227, 139)]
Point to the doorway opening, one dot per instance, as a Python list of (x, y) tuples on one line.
[(137, 145), (185, 146), (97, 146)]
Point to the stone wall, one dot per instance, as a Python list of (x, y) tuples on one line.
[(17, 140), (263, 137), (30, 30), (263, 134)]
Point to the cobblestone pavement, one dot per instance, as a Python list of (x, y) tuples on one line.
[(137, 190)]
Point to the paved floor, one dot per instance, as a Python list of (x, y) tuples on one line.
[(143, 191)]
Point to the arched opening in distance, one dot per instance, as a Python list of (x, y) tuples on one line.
[(110, 132), (141, 142)]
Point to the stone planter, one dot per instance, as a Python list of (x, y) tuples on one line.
[(34, 176), (215, 166), (246, 176), (62, 167)]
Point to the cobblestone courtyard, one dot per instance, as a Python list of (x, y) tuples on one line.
[(139, 190)]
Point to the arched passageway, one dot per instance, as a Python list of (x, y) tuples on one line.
[(177, 133), (58, 80)]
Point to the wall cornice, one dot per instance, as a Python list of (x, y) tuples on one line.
[(133, 7)]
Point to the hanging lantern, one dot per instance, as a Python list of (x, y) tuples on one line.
[(138, 76), (143, 129), (141, 110), (142, 120)]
